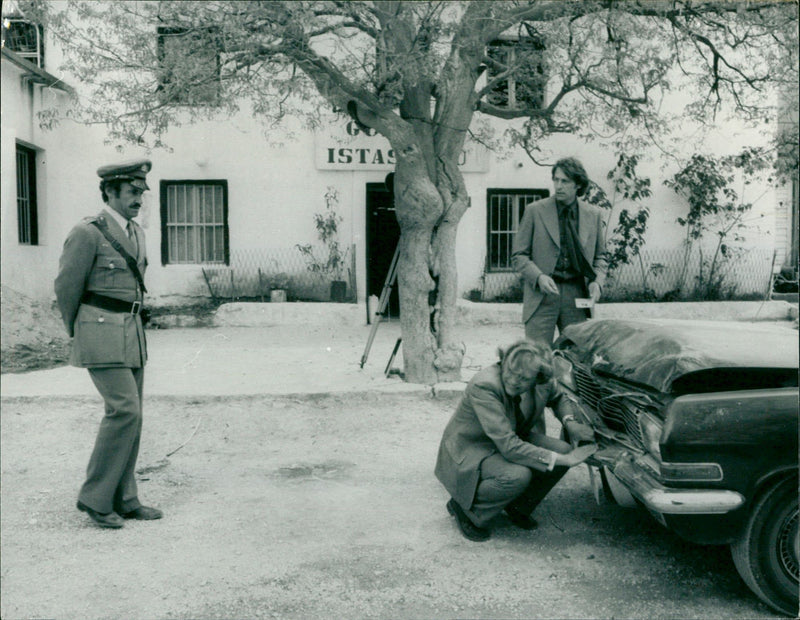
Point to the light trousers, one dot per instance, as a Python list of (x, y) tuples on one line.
[(110, 476), (556, 310)]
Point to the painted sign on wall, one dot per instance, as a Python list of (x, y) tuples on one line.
[(343, 146)]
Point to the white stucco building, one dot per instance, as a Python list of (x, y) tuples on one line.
[(254, 197)]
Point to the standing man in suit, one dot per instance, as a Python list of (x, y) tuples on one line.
[(99, 289), (495, 455), (560, 252)]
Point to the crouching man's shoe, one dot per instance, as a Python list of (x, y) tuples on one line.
[(467, 527), (109, 519), (143, 513), (520, 519)]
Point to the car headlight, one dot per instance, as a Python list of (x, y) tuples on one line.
[(562, 369), (651, 428)]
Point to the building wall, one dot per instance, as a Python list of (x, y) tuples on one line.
[(276, 184), (23, 265)]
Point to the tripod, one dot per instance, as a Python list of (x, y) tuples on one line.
[(391, 277)]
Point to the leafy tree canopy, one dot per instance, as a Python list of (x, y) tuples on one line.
[(608, 66)]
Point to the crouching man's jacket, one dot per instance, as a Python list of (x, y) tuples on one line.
[(484, 424)]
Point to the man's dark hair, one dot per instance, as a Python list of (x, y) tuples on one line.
[(114, 185), (574, 171)]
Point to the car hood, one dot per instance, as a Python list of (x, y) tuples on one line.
[(659, 351)]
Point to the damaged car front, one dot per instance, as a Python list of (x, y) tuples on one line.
[(698, 422)]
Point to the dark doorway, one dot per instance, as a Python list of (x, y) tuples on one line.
[(383, 233)]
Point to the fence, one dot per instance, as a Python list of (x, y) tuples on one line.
[(668, 275), (253, 273)]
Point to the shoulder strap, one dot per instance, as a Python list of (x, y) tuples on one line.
[(101, 225)]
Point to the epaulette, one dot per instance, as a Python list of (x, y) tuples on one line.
[(93, 218)]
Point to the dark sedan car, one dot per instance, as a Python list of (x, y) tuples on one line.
[(698, 422)]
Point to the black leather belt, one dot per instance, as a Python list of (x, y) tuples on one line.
[(111, 303), (561, 280)]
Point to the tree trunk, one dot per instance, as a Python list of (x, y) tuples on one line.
[(414, 284), (418, 206), (449, 351), (429, 220)]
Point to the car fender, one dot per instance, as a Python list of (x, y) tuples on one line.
[(732, 429)]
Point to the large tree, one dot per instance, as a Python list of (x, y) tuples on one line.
[(419, 73)]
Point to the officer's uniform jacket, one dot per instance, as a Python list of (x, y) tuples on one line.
[(537, 245), (484, 424), (101, 339)]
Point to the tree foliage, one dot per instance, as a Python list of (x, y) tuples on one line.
[(334, 261), (608, 66), (628, 237), (716, 210)]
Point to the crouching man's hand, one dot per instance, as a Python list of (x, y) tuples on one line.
[(576, 456), (578, 432)]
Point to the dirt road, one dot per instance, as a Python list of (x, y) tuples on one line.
[(319, 507)]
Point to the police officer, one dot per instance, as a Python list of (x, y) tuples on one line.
[(99, 290)]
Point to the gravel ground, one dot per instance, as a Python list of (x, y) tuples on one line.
[(319, 507), (297, 505)]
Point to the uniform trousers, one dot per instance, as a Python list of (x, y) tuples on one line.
[(557, 310), (505, 484), (110, 476)]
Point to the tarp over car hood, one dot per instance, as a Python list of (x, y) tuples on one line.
[(656, 352)]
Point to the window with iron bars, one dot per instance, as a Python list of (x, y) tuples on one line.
[(194, 222), (194, 55), (505, 208), (27, 216), (24, 38), (524, 86)]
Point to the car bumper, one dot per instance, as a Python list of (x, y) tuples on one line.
[(665, 500)]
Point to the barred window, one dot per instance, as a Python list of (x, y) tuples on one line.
[(25, 38), (194, 222), (505, 208), (27, 220), (189, 66), (522, 59)]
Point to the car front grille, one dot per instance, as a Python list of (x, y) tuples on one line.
[(618, 405)]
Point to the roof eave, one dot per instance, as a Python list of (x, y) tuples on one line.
[(35, 74)]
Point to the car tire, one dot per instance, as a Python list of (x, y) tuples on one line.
[(766, 552)]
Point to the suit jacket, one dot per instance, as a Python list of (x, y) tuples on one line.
[(484, 424), (537, 245), (101, 339)]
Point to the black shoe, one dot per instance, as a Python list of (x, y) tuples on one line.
[(467, 527), (521, 520), (110, 519), (143, 513)]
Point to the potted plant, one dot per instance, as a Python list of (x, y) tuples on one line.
[(333, 263), (279, 284)]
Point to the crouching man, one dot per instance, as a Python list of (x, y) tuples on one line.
[(495, 455)]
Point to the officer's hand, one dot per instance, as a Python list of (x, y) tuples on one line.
[(577, 456), (595, 291), (578, 431), (547, 285)]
